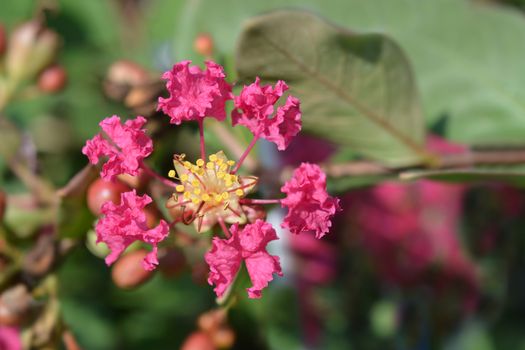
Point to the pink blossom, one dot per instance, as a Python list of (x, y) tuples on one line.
[(310, 208), (125, 223), (10, 338), (195, 94), (126, 146), (256, 105), (226, 255)]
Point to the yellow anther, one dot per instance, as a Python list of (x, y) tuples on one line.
[(223, 167), (213, 157), (180, 188), (200, 171), (231, 162), (210, 165), (239, 192), (196, 200), (225, 195), (171, 173), (187, 165), (217, 198), (205, 197), (228, 183), (194, 169), (184, 177), (195, 183), (221, 174), (200, 162), (235, 178), (220, 161), (197, 191), (187, 195), (227, 177)]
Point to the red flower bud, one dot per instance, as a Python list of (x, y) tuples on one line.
[(128, 271), (3, 39), (3, 204), (203, 44), (198, 341), (100, 191), (52, 79)]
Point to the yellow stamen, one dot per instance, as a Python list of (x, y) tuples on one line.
[(187, 195), (239, 192), (200, 162), (225, 195), (231, 162), (205, 197), (171, 173), (213, 157), (195, 183), (180, 188), (197, 191)]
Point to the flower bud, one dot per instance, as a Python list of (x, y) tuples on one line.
[(31, 48), (128, 272), (52, 79), (41, 257), (203, 44), (198, 341), (3, 204), (100, 191), (223, 338), (3, 39), (15, 304), (212, 320), (125, 72)]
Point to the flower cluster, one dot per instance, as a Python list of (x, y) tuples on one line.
[(209, 192)]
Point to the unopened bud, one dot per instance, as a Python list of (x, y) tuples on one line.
[(31, 48), (15, 305), (203, 44), (223, 338), (212, 320), (125, 72), (198, 341), (41, 257), (101, 191), (3, 204), (52, 79), (3, 39), (128, 272)]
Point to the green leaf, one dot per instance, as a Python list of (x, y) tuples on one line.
[(355, 89), (512, 175)]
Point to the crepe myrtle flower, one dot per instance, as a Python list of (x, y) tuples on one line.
[(125, 223), (209, 192)]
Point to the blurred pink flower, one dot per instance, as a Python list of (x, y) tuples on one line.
[(10, 338), (125, 146), (310, 208), (125, 223), (195, 94), (226, 255), (256, 105)]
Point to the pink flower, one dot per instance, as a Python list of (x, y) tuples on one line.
[(310, 208), (195, 94), (226, 255), (126, 146), (256, 105), (125, 223), (10, 338)]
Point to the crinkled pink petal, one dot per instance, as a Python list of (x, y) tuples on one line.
[(10, 338), (195, 94), (285, 125), (249, 245), (125, 147), (255, 106), (310, 208), (224, 260), (125, 223)]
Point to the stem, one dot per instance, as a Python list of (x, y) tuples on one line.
[(158, 177), (224, 227), (232, 143), (201, 135), (245, 154), (259, 201)]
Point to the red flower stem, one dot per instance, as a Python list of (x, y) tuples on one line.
[(245, 154), (201, 135), (259, 201), (224, 227), (158, 177)]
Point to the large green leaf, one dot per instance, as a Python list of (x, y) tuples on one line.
[(355, 89), (467, 56)]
